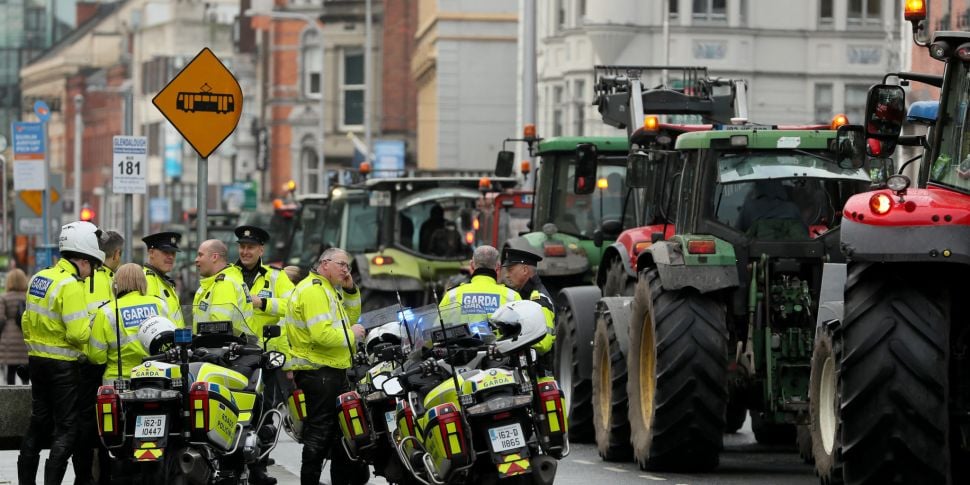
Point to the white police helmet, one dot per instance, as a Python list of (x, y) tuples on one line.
[(155, 333), (522, 324), (81, 237)]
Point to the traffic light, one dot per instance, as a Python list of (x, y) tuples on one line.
[(87, 214)]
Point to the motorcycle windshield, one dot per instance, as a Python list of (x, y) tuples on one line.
[(381, 316), (215, 323), (430, 325)]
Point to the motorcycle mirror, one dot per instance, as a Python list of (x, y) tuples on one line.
[(271, 331), (392, 387), (379, 380), (274, 360)]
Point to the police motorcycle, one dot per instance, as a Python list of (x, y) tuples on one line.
[(366, 415), (192, 412), (472, 409)]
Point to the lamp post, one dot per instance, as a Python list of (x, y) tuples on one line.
[(318, 30)]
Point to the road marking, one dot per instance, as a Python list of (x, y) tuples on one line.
[(651, 477), (584, 462), (612, 469)]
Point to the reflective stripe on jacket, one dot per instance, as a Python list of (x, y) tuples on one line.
[(318, 325), (274, 287), (55, 322), (224, 297), (132, 309)]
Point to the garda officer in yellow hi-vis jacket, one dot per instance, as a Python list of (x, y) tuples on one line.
[(520, 273), (319, 321), (98, 291), (132, 307), (222, 295), (269, 287), (480, 297), (56, 330), (162, 247), (270, 290)]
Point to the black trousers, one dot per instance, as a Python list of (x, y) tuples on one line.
[(53, 408), (321, 388), (87, 430)]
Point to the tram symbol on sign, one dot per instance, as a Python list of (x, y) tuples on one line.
[(205, 100)]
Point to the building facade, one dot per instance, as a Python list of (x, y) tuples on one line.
[(803, 61), (466, 76)]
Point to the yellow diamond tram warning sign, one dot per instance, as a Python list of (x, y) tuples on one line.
[(203, 102)]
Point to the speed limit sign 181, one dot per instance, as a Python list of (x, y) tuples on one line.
[(130, 164)]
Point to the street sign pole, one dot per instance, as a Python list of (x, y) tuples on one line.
[(3, 197), (202, 203), (45, 194), (128, 197)]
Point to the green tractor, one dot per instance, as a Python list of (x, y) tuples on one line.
[(580, 183), (724, 311), (412, 236)]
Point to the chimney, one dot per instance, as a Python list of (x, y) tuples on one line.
[(84, 11)]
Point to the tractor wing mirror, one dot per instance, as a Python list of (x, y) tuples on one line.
[(885, 112), (850, 146), (585, 180), (504, 163)]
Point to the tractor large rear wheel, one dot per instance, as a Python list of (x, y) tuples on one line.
[(578, 390), (823, 397), (609, 392), (676, 377), (893, 376)]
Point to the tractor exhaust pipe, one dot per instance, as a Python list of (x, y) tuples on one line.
[(195, 467), (543, 470)]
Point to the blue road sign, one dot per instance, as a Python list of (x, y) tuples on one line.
[(388, 158), (42, 110)]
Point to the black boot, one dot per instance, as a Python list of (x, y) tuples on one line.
[(312, 465), (258, 475), (54, 472), (27, 469)]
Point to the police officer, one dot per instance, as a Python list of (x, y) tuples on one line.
[(99, 291), (222, 295), (321, 312), (520, 273), (270, 289), (481, 296), (132, 307), (56, 330), (162, 247)]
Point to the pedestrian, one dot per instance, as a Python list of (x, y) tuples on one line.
[(161, 248), (270, 289), (520, 273), (56, 330), (132, 306), (98, 291), (13, 303), (481, 296), (322, 309), (222, 294)]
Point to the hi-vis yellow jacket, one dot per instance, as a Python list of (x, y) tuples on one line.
[(480, 297), (103, 291), (163, 287), (224, 297), (55, 322), (132, 309), (318, 325), (274, 288)]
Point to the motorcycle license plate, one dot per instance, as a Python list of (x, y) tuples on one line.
[(391, 418), (506, 438), (150, 426)]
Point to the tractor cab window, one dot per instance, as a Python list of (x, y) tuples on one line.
[(581, 214), (441, 222), (952, 165), (782, 195)]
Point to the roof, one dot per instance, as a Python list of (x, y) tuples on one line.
[(760, 138), (430, 182), (568, 143)]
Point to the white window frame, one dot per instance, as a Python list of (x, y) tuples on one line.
[(310, 44), (310, 145), (344, 88), (559, 109), (826, 22), (830, 106), (708, 15), (864, 21)]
